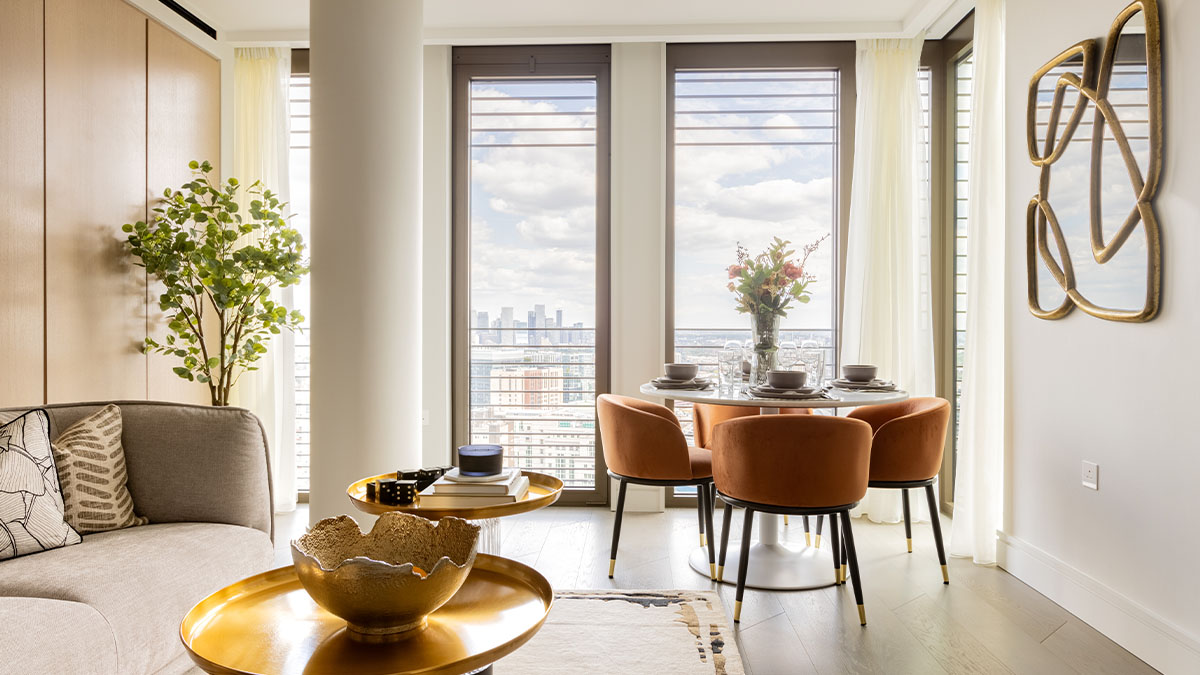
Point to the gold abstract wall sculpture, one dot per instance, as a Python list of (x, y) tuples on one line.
[(1124, 93)]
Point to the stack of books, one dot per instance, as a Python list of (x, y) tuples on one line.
[(451, 491)]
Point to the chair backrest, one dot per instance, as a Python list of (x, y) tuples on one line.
[(799, 461), (910, 438), (642, 439), (705, 416)]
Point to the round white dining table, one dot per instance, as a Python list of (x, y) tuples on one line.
[(774, 563)]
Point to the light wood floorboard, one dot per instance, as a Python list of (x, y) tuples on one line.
[(984, 621)]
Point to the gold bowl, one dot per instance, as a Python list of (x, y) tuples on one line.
[(386, 582)]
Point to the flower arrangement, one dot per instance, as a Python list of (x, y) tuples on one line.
[(768, 283)]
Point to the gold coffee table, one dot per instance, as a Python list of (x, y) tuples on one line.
[(268, 624), (544, 490)]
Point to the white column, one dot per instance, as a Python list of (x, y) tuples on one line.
[(366, 262)]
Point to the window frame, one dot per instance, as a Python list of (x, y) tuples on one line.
[(764, 55), (517, 62)]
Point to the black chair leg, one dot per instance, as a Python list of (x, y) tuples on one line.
[(845, 569), (848, 535), (837, 550), (612, 558), (907, 517), (724, 541), (712, 542), (820, 524), (701, 500), (936, 519), (807, 535), (744, 562)]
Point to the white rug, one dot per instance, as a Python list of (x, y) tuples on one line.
[(659, 632)]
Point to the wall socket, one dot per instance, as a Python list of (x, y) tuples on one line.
[(1091, 475)]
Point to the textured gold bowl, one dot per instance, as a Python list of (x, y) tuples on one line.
[(386, 582)]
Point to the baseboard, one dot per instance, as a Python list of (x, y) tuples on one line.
[(1145, 634)]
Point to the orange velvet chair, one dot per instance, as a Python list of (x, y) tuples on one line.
[(706, 416), (906, 452), (797, 465), (643, 444)]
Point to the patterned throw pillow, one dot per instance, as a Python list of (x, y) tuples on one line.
[(31, 504), (91, 466)]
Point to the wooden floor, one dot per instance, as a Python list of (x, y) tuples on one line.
[(985, 621)]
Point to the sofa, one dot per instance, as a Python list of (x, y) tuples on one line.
[(113, 603)]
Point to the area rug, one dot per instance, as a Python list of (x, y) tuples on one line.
[(660, 632)]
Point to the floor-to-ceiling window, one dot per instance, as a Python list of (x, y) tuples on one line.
[(299, 186), (531, 256), (964, 70), (759, 147)]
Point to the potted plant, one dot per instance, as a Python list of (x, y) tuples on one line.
[(765, 287), (218, 270)]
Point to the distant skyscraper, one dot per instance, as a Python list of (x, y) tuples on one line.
[(507, 336), (531, 334), (481, 320), (560, 336)]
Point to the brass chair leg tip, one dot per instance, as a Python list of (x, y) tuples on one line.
[(720, 573), (785, 520), (862, 616), (818, 541), (712, 571), (737, 611), (807, 539), (703, 540), (612, 565), (945, 574), (910, 545)]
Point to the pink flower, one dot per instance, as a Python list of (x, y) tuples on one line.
[(791, 271), (735, 271)]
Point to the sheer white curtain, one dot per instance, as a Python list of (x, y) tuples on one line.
[(882, 318), (260, 148), (978, 484)]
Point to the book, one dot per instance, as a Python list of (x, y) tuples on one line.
[(501, 486), (450, 501)]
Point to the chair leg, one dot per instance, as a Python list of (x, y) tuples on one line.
[(936, 519), (848, 535), (701, 500), (786, 522), (845, 569), (907, 517), (837, 550), (612, 558), (712, 542), (724, 541), (820, 524), (744, 561), (807, 535)]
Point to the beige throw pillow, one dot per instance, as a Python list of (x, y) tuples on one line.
[(91, 469)]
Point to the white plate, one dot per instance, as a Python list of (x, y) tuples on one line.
[(874, 385), (790, 395), (776, 390)]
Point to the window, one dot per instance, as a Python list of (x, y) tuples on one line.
[(531, 232), (758, 149), (964, 70), (299, 185)]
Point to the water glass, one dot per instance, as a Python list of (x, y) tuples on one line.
[(729, 361), (788, 355)]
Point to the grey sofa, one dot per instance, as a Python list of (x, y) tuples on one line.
[(113, 603)]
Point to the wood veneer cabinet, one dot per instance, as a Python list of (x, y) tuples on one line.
[(22, 360), (100, 109)]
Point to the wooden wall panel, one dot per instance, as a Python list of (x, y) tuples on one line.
[(95, 182), (22, 359), (183, 123)]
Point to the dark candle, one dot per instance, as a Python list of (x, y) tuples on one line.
[(480, 460)]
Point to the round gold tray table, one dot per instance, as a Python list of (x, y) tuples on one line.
[(544, 490), (267, 624)]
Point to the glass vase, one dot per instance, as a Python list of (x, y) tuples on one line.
[(764, 332)]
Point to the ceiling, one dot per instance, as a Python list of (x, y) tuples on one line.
[(475, 21)]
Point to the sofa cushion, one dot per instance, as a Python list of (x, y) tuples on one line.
[(91, 470), (31, 503), (43, 636), (142, 580)]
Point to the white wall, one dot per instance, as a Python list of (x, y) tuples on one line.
[(1122, 558), (436, 438)]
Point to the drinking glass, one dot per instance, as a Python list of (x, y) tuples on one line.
[(788, 354), (812, 355), (729, 361)]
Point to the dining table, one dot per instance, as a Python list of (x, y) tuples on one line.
[(775, 564)]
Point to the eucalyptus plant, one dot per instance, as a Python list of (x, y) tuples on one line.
[(218, 270)]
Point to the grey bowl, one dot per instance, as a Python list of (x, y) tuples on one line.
[(786, 379), (681, 371), (859, 373)]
